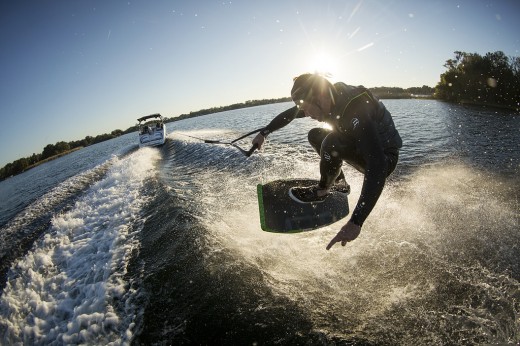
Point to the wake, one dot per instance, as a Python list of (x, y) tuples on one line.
[(71, 287)]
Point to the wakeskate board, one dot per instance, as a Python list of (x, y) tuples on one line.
[(280, 213)]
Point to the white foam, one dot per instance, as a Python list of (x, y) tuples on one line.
[(415, 222), (68, 288), (9, 234)]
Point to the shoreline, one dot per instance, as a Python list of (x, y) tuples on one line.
[(54, 157), (464, 103), (488, 105)]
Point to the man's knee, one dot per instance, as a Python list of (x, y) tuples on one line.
[(331, 146), (392, 156), (316, 137)]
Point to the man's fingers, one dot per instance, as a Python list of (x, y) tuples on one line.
[(332, 242), (338, 238), (348, 233)]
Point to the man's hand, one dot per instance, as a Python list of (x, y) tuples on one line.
[(347, 233), (259, 140)]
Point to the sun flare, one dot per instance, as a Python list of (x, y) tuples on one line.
[(323, 63)]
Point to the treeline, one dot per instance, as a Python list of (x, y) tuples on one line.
[(400, 93), (61, 148), (492, 79), (52, 151), (250, 103), (381, 92)]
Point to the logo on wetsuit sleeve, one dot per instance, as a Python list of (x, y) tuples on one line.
[(355, 122)]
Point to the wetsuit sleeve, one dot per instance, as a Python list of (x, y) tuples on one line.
[(371, 150), (283, 119)]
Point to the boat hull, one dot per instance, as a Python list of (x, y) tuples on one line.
[(152, 131), (153, 139)]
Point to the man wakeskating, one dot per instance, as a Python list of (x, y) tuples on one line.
[(363, 135)]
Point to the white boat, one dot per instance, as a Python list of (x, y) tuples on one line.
[(152, 131)]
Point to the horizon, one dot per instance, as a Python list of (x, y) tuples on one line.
[(98, 66), (166, 120)]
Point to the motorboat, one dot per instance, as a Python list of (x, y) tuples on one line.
[(152, 131)]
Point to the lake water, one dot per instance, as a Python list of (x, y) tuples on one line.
[(118, 245)]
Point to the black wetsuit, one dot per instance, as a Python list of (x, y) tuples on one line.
[(363, 134)]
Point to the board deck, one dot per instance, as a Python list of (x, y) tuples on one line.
[(281, 214)]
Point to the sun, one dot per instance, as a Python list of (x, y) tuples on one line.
[(323, 63)]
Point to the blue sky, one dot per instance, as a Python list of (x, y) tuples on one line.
[(96, 66)]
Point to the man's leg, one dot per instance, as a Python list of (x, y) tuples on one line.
[(332, 153), (335, 149), (316, 137)]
